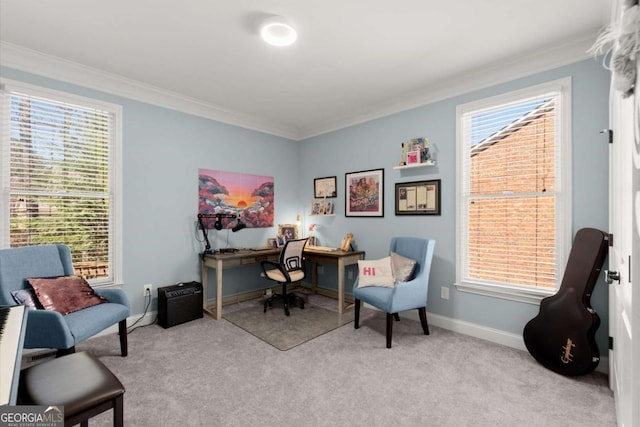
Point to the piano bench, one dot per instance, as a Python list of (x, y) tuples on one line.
[(79, 382)]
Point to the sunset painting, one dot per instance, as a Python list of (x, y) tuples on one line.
[(248, 196)]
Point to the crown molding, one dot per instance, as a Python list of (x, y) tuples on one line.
[(529, 63), (35, 62), (492, 74)]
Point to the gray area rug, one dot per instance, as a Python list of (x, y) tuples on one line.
[(285, 332)]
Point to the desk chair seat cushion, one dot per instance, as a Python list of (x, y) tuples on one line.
[(78, 381), (276, 275)]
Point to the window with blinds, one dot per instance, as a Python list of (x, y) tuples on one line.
[(512, 216), (58, 163)]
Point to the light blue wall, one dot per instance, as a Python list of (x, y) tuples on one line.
[(163, 150), (375, 144)]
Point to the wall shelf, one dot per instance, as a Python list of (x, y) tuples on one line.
[(416, 165), (322, 214)]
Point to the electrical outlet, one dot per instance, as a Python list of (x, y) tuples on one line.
[(444, 292), (147, 290), (320, 269), (268, 292), (350, 274)]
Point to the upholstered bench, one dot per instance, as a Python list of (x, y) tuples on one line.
[(79, 382)]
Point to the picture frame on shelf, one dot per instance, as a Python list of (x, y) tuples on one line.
[(311, 241), (418, 198), (289, 231), (317, 207), (328, 207), (325, 187), (280, 241), (413, 157), (364, 193), (272, 242)]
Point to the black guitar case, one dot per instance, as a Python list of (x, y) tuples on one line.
[(562, 336)]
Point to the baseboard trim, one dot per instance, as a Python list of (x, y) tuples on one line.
[(486, 333)]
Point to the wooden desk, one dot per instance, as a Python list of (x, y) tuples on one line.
[(220, 262), (339, 258)]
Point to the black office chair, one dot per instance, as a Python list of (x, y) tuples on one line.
[(289, 269)]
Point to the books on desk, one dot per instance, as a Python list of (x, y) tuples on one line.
[(322, 248)]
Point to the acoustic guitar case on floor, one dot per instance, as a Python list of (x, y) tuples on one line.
[(562, 336)]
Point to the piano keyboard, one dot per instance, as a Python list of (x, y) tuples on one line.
[(11, 340)]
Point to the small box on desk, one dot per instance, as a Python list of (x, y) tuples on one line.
[(179, 303)]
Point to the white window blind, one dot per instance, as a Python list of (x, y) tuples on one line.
[(511, 197), (57, 161)]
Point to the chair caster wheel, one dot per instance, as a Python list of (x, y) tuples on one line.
[(286, 312), (301, 306)]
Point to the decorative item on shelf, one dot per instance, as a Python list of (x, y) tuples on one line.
[(416, 152), (322, 207)]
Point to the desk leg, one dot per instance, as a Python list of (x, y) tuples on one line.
[(218, 289), (340, 285), (314, 276), (204, 278)]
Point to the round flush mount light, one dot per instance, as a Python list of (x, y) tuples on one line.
[(277, 32)]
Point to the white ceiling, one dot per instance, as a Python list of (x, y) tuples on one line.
[(354, 59)]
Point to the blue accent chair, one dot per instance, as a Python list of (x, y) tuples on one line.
[(50, 329), (404, 295)]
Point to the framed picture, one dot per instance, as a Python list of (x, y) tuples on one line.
[(364, 193), (280, 241), (418, 198), (317, 207), (325, 187), (328, 207), (289, 231), (272, 243), (413, 157)]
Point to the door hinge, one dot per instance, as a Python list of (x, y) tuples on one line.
[(609, 238), (610, 133), (610, 343)]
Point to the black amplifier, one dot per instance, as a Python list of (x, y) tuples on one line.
[(179, 303)]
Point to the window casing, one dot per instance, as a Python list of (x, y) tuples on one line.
[(60, 161), (514, 192)]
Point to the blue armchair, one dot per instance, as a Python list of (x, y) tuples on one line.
[(404, 295), (50, 329)]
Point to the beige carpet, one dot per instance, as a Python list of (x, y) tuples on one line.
[(286, 332)]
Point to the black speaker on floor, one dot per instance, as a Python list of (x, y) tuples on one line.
[(179, 303)]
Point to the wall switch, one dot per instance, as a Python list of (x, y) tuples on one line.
[(147, 290), (444, 292)]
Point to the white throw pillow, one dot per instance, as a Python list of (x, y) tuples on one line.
[(375, 273)]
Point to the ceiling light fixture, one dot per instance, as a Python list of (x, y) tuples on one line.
[(277, 32)]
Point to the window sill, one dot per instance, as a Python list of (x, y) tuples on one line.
[(512, 293)]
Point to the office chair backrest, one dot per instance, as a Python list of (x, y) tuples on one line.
[(291, 254)]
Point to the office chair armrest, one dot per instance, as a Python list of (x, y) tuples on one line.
[(277, 266)]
